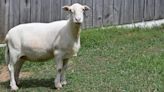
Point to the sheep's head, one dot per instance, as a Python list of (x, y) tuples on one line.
[(77, 12)]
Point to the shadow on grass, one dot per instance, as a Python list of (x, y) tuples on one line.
[(5, 84), (32, 83)]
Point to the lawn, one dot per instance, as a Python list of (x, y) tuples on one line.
[(110, 60)]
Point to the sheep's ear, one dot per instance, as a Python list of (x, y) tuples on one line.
[(66, 8), (86, 7)]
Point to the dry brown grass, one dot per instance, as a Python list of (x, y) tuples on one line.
[(4, 75)]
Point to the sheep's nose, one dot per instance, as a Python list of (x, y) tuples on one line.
[(78, 19)]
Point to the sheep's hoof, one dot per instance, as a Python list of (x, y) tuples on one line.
[(14, 88), (58, 86), (64, 82)]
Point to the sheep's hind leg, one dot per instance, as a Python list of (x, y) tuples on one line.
[(63, 78), (17, 67), (13, 85), (13, 59)]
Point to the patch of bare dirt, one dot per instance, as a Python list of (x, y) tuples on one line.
[(4, 74)]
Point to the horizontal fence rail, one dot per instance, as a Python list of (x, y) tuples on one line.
[(102, 13)]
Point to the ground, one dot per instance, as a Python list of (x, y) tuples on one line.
[(4, 76), (110, 60)]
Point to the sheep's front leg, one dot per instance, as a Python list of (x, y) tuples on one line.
[(59, 66), (65, 65)]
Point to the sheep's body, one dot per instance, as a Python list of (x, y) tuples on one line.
[(39, 41), (42, 41)]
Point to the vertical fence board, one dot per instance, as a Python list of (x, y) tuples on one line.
[(55, 10), (97, 13), (122, 11), (35, 10), (88, 20), (65, 14), (157, 9), (127, 12), (2, 20), (149, 10), (108, 12), (76, 1), (7, 7), (161, 8), (117, 11), (138, 10), (11, 15), (2, 16), (14, 13), (25, 13), (45, 11)]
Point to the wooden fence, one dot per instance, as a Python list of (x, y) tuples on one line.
[(102, 13)]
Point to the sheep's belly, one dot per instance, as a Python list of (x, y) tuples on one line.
[(38, 55)]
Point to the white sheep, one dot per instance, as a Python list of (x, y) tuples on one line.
[(42, 41)]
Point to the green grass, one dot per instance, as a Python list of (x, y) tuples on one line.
[(110, 60)]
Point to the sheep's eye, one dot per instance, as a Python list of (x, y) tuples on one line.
[(71, 11), (83, 9)]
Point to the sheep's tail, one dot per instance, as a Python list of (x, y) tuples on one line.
[(7, 54)]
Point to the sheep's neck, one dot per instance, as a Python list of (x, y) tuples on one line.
[(75, 30)]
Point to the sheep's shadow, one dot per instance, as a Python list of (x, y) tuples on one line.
[(32, 83)]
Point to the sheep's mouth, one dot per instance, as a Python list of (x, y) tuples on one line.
[(78, 23)]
